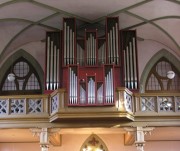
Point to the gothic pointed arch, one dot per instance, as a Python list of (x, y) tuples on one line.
[(28, 75), (93, 143), (154, 77)]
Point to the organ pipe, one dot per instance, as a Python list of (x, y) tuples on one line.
[(51, 67), (131, 65), (130, 60), (117, 48), (91, 49), (112, 41), (73, 86), (47, 66), (52, 60), (109, 96), (134, 54), (65, 40)]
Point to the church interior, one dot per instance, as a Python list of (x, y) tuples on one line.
[(89, 75)]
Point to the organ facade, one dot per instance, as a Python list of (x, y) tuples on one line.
[(91, 67)]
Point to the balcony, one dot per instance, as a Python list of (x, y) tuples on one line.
[(35, 110)]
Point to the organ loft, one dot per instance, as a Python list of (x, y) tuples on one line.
[(91, 67)]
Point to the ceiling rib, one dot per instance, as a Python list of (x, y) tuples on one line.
[(154, 24), (24, 29), (60, 11), (28, 21), (121, 10), (155, 19)]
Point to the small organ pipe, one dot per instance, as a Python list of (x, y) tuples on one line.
[(65, 43), (57, 68), (112, 90), (114, 46), (67, 55), (87, 51), (117, 49), (94, 51), (91, 91), (70, 85), (55, 64), (88, 93), (102, 50), (131, 65), (134, 54), (51, 66), (107, 88), (100, 94), (111, 48), (128, 70), (78, 54), (106, 85), (70, 46), (101, 54), (73, 46), (47, 69), (82, 95), (74, 88), (125, 76), (91, 46), (73, 84), (109, 55)]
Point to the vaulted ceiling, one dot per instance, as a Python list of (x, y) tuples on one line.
[(26, 21)]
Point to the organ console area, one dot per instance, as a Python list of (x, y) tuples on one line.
[(90, 68)]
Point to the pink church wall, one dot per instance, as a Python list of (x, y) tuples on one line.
[(114, 142)]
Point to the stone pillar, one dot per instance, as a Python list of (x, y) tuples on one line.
[(46, 134), (139, 136), (44, 139)]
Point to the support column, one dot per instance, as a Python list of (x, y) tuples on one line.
[(139, 133), (44, 139), (47, 136)]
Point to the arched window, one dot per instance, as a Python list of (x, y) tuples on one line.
[(26, 80), (157, 78)]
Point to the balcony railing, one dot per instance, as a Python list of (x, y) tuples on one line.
[(24, 106), (55, 105), (157, 103)]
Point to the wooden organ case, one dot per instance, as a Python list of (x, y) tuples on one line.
[(92, 67)]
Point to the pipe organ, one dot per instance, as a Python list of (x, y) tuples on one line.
[(129, 49), (91, 67)]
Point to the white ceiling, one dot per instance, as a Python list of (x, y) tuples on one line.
[(26, 21)]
